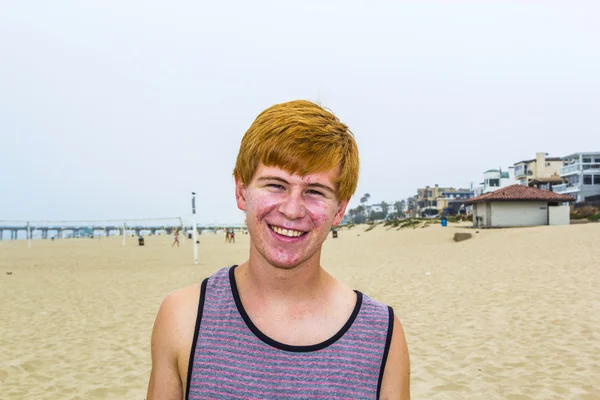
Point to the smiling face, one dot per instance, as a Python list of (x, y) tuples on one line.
[(289, 216)]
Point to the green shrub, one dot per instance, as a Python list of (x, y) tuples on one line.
[(585, 212), (594, 218), (371, 227), (408, 222)]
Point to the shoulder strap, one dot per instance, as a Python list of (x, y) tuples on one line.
[(195, 341), (386, 350)]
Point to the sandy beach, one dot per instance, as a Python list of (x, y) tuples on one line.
[(510, 314)]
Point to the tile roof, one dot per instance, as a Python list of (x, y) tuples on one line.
[(520, 193)]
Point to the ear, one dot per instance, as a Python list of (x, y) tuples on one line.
[(240, 195), (341, 210)]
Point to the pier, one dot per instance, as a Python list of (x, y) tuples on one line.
[(93, 230)]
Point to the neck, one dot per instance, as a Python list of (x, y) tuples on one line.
[(300, 283)]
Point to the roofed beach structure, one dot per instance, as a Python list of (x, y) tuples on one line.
[(518, 205)]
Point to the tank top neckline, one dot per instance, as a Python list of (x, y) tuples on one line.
[(287, 347)]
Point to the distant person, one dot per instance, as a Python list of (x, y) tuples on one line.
[(176, 238), (279, 325), (232, 236)]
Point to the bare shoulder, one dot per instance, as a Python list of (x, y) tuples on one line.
[(172, 338), (396, 378), (177, 318), (180, 303)]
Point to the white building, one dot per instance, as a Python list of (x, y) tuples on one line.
[(376, 208), (494, 179), (519, 205), (581, 173)]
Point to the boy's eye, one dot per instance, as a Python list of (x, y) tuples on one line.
[(275, 186), (314, 192)]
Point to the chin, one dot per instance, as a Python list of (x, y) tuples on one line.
[(287, 263), (284, 267)]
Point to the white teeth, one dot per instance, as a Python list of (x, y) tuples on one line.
[(286, 232)]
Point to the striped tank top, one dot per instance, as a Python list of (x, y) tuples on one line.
[(232, 359)]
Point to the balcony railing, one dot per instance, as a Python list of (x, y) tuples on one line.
[(570, 169), (579, 167), (526, 172), (565, 188)]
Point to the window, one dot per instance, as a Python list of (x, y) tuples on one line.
[(429, 194), (596, 179), (587, 160), (494, 182), (597, 160), (519, 170), (587, 179)]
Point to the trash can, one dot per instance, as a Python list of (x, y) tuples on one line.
[(189, 235), (444, 222), (141, 241), (334, 233)]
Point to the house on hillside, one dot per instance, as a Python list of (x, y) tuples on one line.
[(538, 168), (519, 205), (581, 173)]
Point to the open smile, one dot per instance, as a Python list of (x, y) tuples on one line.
[(287, 232)]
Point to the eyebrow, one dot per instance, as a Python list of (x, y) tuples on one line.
[(279, 179)]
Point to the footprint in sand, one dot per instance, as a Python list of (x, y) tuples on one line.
[(450, 387)]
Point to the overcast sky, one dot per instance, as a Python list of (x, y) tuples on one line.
[(120, 109)]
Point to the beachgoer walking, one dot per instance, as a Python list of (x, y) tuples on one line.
[(278, 325), (176, 238)]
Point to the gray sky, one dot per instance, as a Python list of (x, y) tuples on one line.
[(116, 109)]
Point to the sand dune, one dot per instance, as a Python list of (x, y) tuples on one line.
[(509, 314)]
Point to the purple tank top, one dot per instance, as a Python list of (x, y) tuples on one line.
[(231, 359)]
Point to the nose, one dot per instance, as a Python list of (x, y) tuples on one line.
[(293, 205)]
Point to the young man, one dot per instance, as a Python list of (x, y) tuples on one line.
[(278, 325)]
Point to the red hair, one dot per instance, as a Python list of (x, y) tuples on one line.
[(302, 138)]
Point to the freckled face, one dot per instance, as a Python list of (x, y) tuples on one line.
[(289, 216)]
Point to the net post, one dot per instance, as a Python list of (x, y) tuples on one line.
[(182, 231), (195, 230)]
